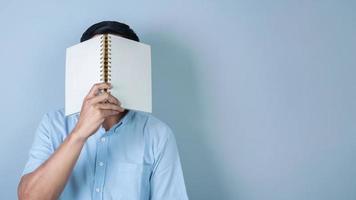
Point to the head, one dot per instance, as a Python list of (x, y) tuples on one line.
[(109, 27)]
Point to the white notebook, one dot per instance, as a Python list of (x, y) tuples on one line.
[(125, 63)]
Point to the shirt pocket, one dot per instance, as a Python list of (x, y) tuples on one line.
[(129, 181)]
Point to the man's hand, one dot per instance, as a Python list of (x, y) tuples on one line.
[(95, 108)]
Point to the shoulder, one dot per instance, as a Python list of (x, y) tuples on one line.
[(152, 124), (154, 129), (57, 117), (57, 123), (55, 114)]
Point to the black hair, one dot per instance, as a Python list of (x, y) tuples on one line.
[(112, 27)]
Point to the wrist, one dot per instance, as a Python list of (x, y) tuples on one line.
[(77, 136)]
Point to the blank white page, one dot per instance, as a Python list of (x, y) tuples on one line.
[(82, 71), (131, 73)]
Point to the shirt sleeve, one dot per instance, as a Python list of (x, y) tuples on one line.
[(167, 180), (41, 147)]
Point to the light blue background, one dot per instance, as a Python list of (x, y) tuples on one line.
[(261, 95)]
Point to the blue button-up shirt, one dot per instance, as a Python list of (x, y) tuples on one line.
[(136, 159)]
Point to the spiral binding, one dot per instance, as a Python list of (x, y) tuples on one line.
[(105, 58)]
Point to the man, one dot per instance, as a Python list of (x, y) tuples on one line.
[(103, 152)]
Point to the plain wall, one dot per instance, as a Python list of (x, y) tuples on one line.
[(261, 95)]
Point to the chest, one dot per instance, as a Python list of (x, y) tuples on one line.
[(112, 167)]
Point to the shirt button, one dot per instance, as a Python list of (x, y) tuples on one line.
[(103, 139), (97, 189), (101, 164)]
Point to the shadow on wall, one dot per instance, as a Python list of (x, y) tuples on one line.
[(177, 101)]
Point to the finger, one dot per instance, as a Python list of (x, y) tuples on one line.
[(99, 98), (107, 113), (114, 100), (109, 106), (105, 97), (110, 99), (96, 87)]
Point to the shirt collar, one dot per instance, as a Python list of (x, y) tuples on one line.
[(122, 121), (126, 118)]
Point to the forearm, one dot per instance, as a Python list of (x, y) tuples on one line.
[(49, 179)]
